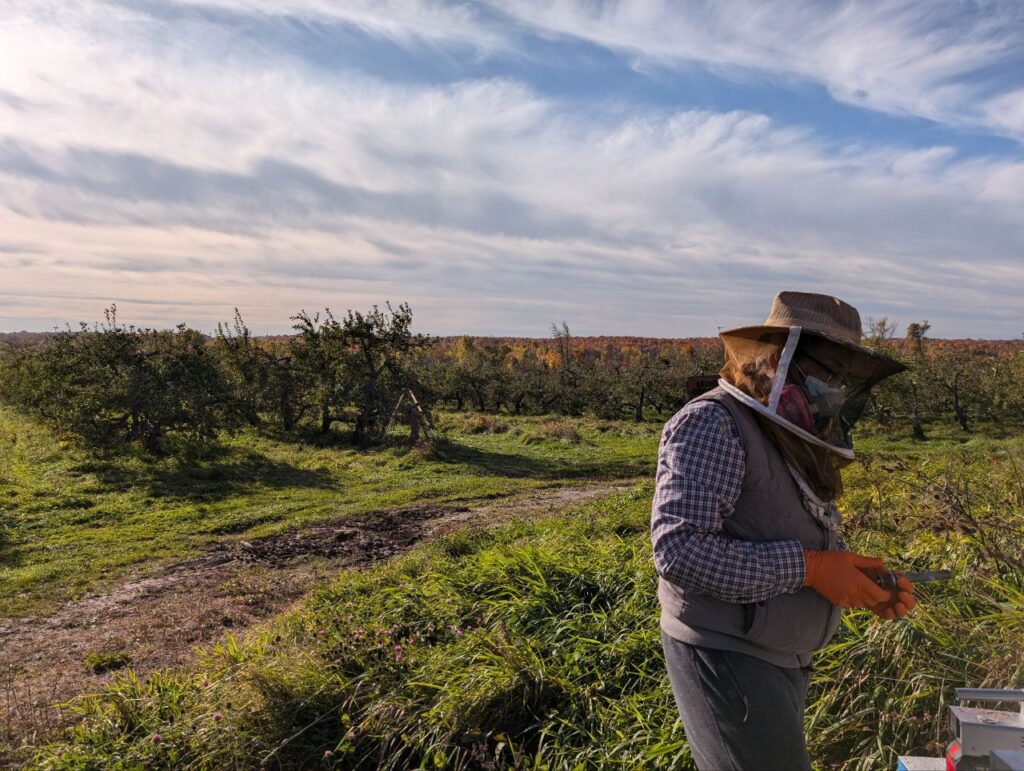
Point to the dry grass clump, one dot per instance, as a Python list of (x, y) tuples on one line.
[(627, 427), (472, 423), (561, 430), (486, 424)]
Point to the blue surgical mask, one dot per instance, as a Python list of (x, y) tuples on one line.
[(826, 400), (826, 403)]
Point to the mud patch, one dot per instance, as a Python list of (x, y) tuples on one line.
[(157, 620), (363, 540)]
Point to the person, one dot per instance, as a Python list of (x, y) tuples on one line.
[(753, 570)]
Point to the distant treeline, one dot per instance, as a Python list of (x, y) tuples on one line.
[(113, 383)]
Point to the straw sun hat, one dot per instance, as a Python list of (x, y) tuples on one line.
[(830, 328)]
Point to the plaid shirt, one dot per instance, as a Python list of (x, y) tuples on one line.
[(701, 464)]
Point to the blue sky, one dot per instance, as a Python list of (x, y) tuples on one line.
[(648, 167)]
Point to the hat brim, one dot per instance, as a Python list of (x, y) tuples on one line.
[(864, 364)]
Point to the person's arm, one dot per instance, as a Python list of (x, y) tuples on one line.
[(701, 464)]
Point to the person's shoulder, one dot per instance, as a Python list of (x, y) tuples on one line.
[(701, 408), (702, 415)]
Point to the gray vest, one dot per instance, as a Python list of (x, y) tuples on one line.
[(784, 629)]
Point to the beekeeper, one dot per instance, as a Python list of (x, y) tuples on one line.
[(753, 569)]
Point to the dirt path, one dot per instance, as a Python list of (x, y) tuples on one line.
[(157, 620)]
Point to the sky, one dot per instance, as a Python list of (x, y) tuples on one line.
[(639, 167)]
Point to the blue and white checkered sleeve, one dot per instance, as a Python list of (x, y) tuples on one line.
[(701, 464)]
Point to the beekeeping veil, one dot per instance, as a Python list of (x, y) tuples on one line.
[(807, 411)]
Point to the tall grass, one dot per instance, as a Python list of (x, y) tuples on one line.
[(536, 646), (72, 522)]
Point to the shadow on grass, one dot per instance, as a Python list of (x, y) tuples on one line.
[(520, 466), (8, 558), (219, 474), (341, 437)]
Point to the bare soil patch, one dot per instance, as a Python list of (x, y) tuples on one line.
[(156, 621)]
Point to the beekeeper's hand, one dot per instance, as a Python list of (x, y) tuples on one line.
[(901, 600), (844, 578)]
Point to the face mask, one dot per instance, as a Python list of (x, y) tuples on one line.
[(830, 408), (811, 408), (827, 405), (795, 407), (826, 401)]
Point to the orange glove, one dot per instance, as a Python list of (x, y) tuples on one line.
[(901, 600), (846, 579)]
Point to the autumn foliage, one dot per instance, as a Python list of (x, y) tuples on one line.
[(112, 383)]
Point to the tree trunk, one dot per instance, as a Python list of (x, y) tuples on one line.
[(961, 416), (958, 409), (150, 437), (414, 424), (915, 419), (875, 408), (325, 417), (286, 413), (638, 415)]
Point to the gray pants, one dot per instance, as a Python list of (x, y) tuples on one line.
[(739, 713)]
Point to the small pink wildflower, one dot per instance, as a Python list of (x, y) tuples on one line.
[(328, 754), (156, 738), (349, 617), (206, 683), (217, 717)]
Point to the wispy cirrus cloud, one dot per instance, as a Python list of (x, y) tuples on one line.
[(405, 22), (188, 173), (947, 61)]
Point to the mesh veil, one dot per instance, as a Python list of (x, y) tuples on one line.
[(757, 365)]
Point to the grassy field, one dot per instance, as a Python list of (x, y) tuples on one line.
[(71, 522), (536, 645)]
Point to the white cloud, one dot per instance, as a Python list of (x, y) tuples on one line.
[(1006, 113), (184, 178), (930, 60), (402, 21)]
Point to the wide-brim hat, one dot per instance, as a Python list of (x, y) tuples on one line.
[(824, 320)]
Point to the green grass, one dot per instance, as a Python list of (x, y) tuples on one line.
[(99, 662), (71, 522), (537, 645)]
